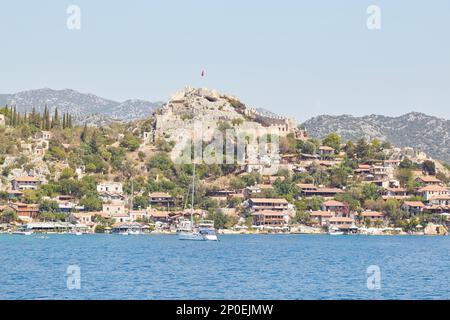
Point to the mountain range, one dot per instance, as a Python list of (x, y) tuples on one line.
[(427, 133), (85, 107), (418, 130)]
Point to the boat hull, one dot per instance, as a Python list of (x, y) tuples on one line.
[(194, 236), (211, 237), (23, 233)]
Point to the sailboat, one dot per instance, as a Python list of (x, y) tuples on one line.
[(187, 230)]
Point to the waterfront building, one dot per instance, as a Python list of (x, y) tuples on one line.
[(371, 215), (345, 224), (270, 218), (24, 211), (274, 204), (138, 215), (339, 208), (320, 217)]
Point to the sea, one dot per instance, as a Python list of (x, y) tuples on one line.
[(286, 267)]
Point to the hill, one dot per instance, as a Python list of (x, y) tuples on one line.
[(83, 106), (427, 133)]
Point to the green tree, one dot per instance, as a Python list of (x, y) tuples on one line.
[(332, 140), (140, 202), (130, 142), (429, 167), (220, 219), (404, 176), (8, 215), (362, 149), (160, 161), (91, 203)]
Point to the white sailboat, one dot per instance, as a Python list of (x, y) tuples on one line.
[(187, 230)]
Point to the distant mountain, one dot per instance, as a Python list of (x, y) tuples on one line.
[(418, 130), (84, 106)]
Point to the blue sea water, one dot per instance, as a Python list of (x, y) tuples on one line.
[(237, 267)]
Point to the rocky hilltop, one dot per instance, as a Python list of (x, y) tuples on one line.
[(418, 130), (190, 108), (85, 107), (211, 109)]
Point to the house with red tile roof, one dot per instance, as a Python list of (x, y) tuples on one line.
[(371, 215), (339, 208), (273, 204), (431, 191), (320, 217), (413, 207), (429, 180), (270, 218), (345, 224)]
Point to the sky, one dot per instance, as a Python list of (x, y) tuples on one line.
[(296, 58)]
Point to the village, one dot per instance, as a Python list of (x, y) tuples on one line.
[(61, 178)]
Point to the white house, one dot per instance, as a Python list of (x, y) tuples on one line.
[(432, 191), (116, 208), (110, 187)]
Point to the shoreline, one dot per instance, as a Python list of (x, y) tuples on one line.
[(235, 234)]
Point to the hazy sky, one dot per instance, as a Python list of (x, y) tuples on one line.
[(297, 58)]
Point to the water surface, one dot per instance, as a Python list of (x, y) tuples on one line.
[(237, 267)]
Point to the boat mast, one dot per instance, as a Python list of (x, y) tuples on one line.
[(192, 196), (132, 194)]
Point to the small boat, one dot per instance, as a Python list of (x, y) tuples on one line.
[(134, 232), (206, 228), (334, 231), (23, 232)]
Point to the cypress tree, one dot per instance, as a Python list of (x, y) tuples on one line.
[(84, 134), (64, 121), (69, 121), (14, 117), (56, 122)]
